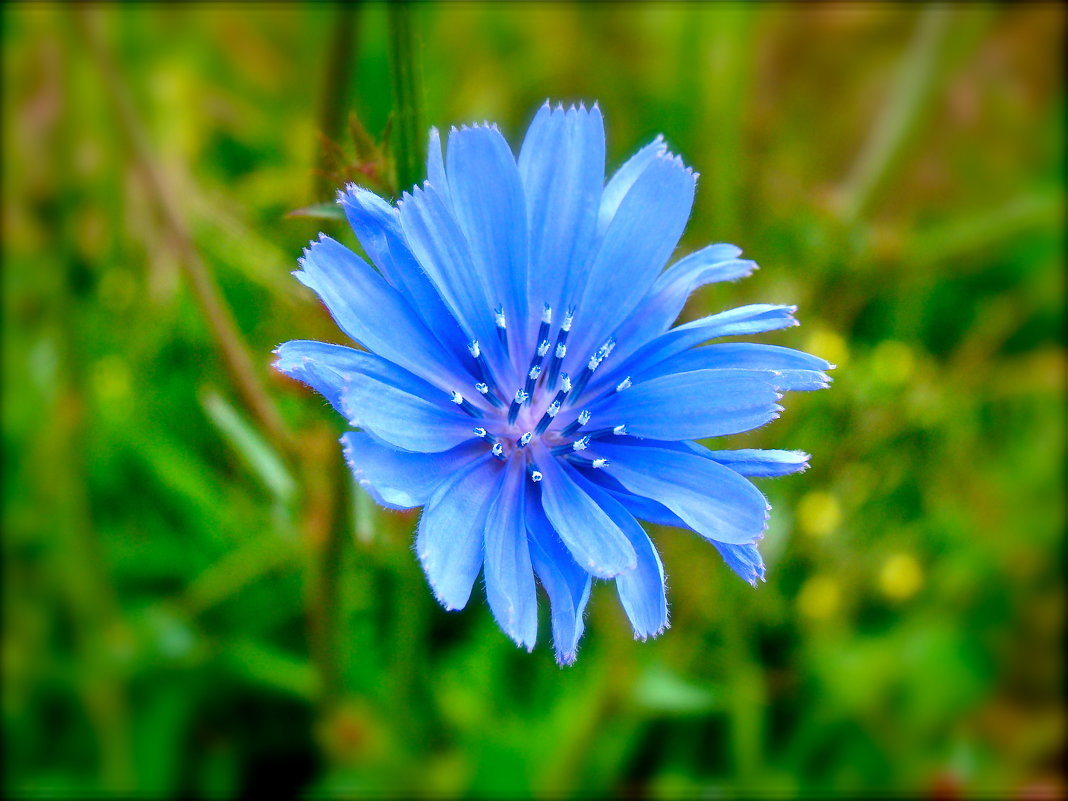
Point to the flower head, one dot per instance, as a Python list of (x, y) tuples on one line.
[(522, 382)]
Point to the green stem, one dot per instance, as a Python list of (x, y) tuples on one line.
[(409, 130), (914, 86), (340, 68)]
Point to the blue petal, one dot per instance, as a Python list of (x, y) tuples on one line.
[(449, 540), (438, 243), (377, 226), (399, 479), (681, 406), (788, 370), (509, 574), (662, 306), (435, 167), (374, 314), (641, 591), (589, 534), (642, 508), (640, 239), (760, 463), (489, 206), (712, 499), (745, 560), (561, 164), (332, 369), (565, 582), (752, 319), (406, 420), (624, 179), (326, 368)]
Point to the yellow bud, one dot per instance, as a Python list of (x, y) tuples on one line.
[(829, 345), (901, 577), (819, 598), (818, 514), (893, 361)]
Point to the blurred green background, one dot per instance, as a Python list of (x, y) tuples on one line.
[(196, 599)]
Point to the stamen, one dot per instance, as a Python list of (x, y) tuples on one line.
[(535, 473), (482, 433), (619, 431), (532, 379), (546, 321), (502, 324), (547, 418), (466, 405), (498, 450), (579, 422), (561, 346), (592, 365), (579, 461), (480, 360), (513, 410), (525, 439), (626, 383), (571, 447), (484, 391)]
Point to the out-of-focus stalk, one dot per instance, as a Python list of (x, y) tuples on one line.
[(409, 130)]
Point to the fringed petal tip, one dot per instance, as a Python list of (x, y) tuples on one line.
[(651, 635)]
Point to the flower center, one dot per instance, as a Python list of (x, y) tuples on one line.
[(510, 427)]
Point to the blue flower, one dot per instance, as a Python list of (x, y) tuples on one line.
[(521, 380)]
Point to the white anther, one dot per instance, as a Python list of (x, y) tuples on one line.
[(535, 475), (565, 379), (553, 409), (547, 314), (525, 439), (497, 449), (620, 430), (626, 383), (535, 371), (481, 432), (561, 350), (457, 398), (498, 316), (482, 387), (521, 396), (599, 463), (580, 444), (569, 315), (543, 348), (474, 349), (584, 417)]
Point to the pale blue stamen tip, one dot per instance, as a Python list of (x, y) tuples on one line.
[(584, 417), (547, 314), (474, 349), (535, 473), (565, 380), (569, 316), (581, 444), (497, 450), (620, 430), (535, 371), (498, 316), (525, 439), (543, 348), (599, 463), (626, 383)]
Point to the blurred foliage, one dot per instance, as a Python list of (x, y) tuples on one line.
[(193, 605)]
